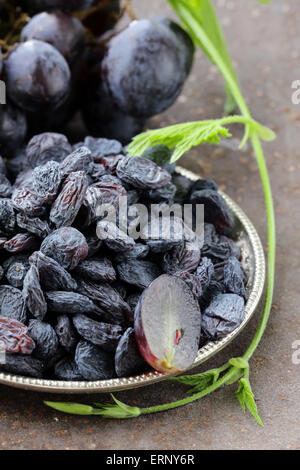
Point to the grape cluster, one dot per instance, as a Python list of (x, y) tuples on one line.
[(64, 60)]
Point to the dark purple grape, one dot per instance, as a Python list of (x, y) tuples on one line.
[(216, 210), (66, 333), (110, 163), (69, 302), (7, 216), (104, 335), (108, 299), (79, 160), (33, 294), (37, 76), (13, 129), (165, 194), (46, 180), (142, 173), (12, 304), (132, 300), (13, 335), (202, 184), (138, 251), (186, 44), (192, 281), (102, 147), (138, 273), (47, 146), (162, 234), (66, 369), (224, 314), (66, 207), (181, 258), (103, 192), (23, 365), (27, 201), (183, 186), (218, 247), (94, 244), (205, 272), (128, 359), (63, 31), (67, 246), (234, 277), (114, 238), (121, 288), (16, 269), (213, 290), (98, 171), (5, 186), (52, 275), (93, 363), (151, 52), (21, 242), (100, 269), (44, 336), (33, 225)]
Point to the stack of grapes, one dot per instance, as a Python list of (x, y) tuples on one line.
[(62, 56)]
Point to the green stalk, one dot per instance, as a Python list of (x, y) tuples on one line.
[(271, 245), (185, 401), (205, 41)]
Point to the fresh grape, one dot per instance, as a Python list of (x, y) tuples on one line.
[(61, 30), (37, 76), (150, 53)]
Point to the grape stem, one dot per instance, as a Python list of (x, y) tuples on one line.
[(231, 375), (129, 10)]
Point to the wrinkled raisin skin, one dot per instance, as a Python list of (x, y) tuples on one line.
[(13, 335)]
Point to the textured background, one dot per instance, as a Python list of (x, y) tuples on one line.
[(265, 43)]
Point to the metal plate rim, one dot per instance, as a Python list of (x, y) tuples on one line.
[(206, 352)]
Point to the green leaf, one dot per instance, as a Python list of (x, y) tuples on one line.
[(263, 132), (182, 137), (204, 13), (198, 381), (264, 1), (245, 397), (71, 408), (120, 410)]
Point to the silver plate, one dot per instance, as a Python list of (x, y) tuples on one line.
[(253, 262)]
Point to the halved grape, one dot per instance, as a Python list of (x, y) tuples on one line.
[(167, 325)]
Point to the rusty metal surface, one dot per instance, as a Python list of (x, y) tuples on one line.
[(265, 44)]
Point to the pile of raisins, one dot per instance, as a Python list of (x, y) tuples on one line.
[(67, 297)]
